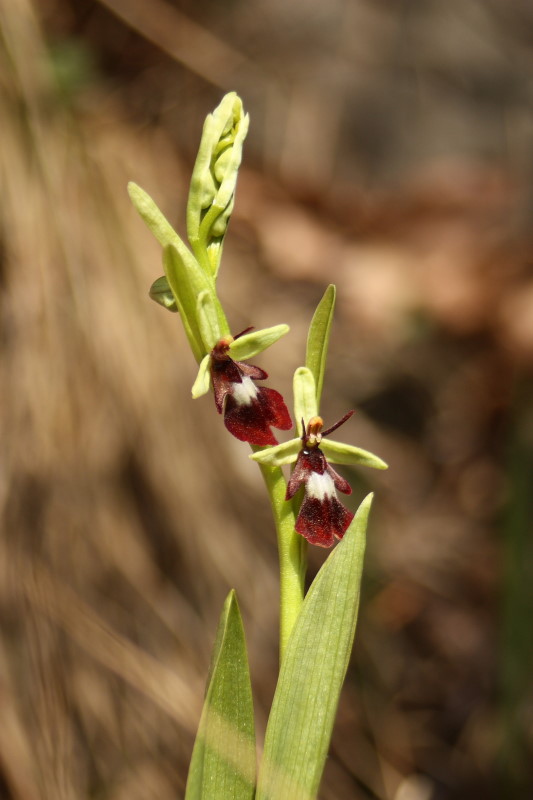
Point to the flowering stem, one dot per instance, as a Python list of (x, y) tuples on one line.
[(292, 550)]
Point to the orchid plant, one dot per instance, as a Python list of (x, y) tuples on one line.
[(316, 629)]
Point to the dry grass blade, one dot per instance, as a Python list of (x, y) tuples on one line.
[(176, 694), (176, 34)]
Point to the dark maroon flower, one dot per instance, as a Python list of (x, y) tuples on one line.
[(249, 410), (322, 518)]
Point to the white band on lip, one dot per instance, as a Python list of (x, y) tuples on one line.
[(244, 392), (319, 486)]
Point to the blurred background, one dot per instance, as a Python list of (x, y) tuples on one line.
[(390, 152)]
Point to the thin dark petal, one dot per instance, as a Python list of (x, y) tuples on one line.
[(256, 373), (298, 477), (246, 330), (340, 483), (223, 375), (322, 521), (221, 387), (338, 424)]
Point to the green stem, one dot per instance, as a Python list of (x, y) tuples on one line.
[(292, 554)]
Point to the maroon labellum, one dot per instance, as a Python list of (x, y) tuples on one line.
[(322, 518), (249, 410)]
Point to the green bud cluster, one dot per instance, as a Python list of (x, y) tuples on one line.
[(214, 178), (189, 282)]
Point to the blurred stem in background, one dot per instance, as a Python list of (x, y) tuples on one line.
[(517, 636)]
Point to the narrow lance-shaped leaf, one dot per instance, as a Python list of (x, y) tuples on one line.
[(305, 404), (318, 339), (312, 673), (223, 760)]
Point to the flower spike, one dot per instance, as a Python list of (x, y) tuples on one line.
[(322, 518), (249, 410)]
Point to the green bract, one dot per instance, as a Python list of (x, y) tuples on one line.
[(213, 181), (318, 339), (188, 281), (184, 280), (154, 218), (305, 404), (207, 319)]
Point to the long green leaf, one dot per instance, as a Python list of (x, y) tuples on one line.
[(223, 760), (312, 672), (318, 338)]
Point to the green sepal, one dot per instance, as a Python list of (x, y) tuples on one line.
[(189, 285), (161, 292), (305, 404), (318, 339), (312, 673), (187, 281), (213, 181), (255, 342), (202, 383), (207, 319), (279, 454), (340, 453), (223, 763)]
